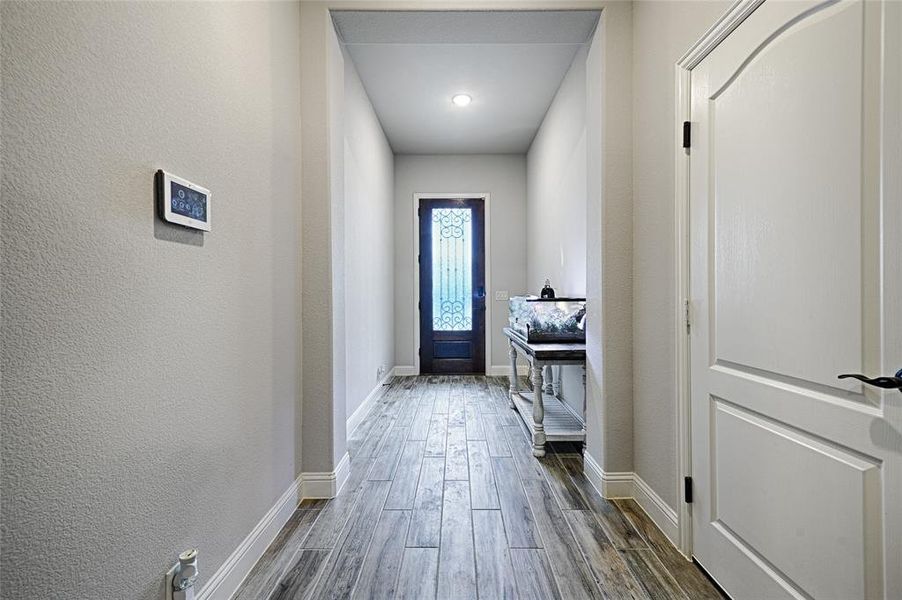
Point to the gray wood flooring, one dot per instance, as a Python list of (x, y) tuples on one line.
[(445, 500)]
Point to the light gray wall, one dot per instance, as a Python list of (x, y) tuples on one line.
[(322, 207), (150, 372), (369, 243), (609, 240), (663, 31), (556, 203), (501, 175), (335, 87), (556, 190)]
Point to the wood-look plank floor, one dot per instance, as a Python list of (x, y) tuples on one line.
[(445, 500)]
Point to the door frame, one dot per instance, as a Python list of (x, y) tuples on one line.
[(723, 27), (415, 265)]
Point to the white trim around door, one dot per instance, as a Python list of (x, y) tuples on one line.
[(720, 30), (416, 272)]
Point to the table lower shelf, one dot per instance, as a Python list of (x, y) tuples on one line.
[(561, 425)]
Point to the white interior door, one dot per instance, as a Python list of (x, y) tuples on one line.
[(796, 277)]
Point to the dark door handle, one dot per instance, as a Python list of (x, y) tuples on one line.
[(480, 293), (887, 383)]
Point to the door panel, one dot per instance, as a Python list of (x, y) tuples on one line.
[(797, 218), (756, 500), (794, 271), (452, 285)]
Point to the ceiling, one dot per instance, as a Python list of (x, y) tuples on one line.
[(510, 62)]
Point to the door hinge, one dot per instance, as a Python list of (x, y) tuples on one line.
[(687, 489), (686, 316), (419, 258), (419, 306), (687, 134)]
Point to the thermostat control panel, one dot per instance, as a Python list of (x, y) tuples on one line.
[(182, 202)]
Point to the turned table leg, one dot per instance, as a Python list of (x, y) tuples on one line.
[(514, 387), (538, 412), (548, 375)]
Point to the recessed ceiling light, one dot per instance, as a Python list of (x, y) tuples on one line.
[(461, 99)]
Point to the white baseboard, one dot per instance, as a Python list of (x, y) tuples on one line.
[(342, 472), (505, 370), (368, 403), (609, 484), (629, 485), (405, 371), (226, 580), (617, 485), (657, 510), (326, 484)]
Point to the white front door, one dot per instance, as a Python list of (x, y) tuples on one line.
[(796, 277)]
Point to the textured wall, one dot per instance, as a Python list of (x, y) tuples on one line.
[(369, 244), (663, 31), (501, 175), (130, 345), (322, 290), (335, 88), (609, 240), (617, 238)]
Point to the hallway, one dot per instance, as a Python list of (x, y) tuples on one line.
[(446, 500)]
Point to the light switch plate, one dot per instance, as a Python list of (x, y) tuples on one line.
[(501, 296)]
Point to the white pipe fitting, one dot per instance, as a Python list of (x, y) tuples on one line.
[(185, 576)]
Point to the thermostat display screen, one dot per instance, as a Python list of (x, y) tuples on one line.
[(182, 202), (187, 202)]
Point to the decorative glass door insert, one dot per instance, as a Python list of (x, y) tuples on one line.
[(452, 269)]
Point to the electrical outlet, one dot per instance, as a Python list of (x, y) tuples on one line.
[(501, 296), (380, 372)]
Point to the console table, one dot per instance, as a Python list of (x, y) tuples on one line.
[(547, 417)]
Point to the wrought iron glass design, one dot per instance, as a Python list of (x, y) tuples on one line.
[(452, 269)]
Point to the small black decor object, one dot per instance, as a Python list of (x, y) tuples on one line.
[(547, 291)]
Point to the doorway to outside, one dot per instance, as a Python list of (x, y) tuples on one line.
[(452, 285)]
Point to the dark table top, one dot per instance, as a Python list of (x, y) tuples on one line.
[(548, 351)]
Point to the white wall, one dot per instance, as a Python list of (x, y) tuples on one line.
[(556, 203), (369, 243), (556, 190), (502, 176), (662, 32), (131, 345)]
